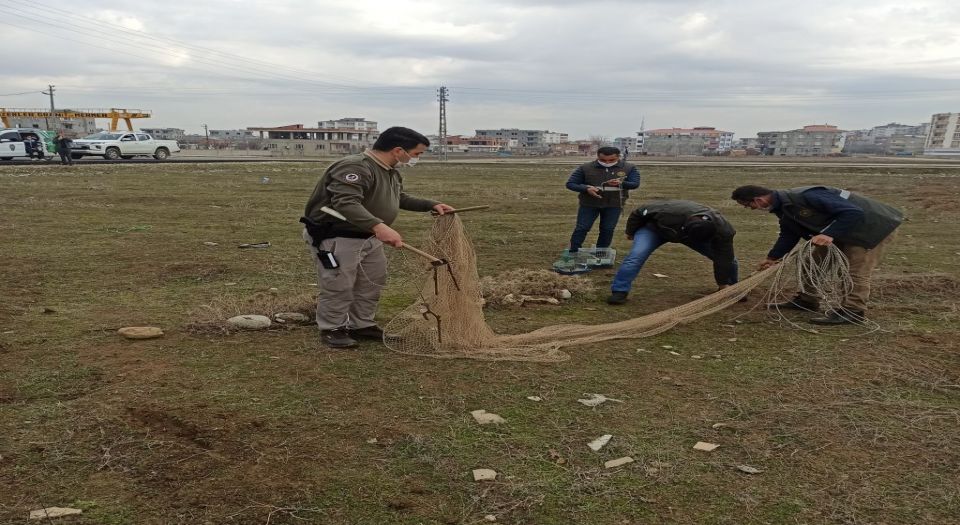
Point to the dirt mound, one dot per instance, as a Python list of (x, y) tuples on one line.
[(538, 283)]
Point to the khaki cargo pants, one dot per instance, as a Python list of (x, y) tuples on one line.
[(349, 294), (862, 263)]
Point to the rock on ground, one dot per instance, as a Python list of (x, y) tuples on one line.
[(53, 512), (140, 332), (484, 474), (249, 322)]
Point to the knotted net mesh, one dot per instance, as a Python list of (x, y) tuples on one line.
[(447, 320)]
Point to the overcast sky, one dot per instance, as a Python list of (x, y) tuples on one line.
[(580, 67)]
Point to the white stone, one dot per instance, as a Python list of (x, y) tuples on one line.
[(490, 517), (660, 276), (140, 332), (485, 418), (208, 243), (600, 442), (53, 512), (596, 399), (274, 291), (748, 469), (705, 447), (484, 474), (614, 463), (535, 398), (291, 317), (565, 294), (250, 322)]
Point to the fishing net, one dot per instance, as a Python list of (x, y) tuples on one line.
[(447, 320)]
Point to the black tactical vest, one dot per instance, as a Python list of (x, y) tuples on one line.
[(879, 220), (595, 175)]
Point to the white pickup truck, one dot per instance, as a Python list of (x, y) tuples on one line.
[(113, 145)]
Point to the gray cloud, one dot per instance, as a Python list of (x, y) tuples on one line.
[(572, 66)]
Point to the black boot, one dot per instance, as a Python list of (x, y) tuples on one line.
[(841, 316), (367, 332), (797, 303), (617, 298), (337, 338)]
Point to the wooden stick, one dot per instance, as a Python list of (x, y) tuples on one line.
[(459, 210), (423, 254)]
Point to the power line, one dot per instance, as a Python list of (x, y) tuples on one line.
[(24, 93)]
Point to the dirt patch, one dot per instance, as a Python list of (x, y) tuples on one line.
[(162, 422), (935, 293), (911, 285), (935, 194)]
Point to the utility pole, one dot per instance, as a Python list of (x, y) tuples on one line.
[(53, 111), (206, 133), (442, 97)]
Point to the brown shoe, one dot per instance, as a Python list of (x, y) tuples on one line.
[(337, 338)]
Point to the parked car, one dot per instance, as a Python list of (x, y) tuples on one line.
[(113, 145), (14, 144)]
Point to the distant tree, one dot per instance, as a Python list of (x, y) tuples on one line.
[(599, 140)]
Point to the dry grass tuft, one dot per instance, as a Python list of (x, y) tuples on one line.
[(212, 318), (538, 283)]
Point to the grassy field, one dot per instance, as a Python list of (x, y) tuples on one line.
[(206, 428)]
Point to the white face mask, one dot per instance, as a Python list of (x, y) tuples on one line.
[(411, 160), (607, 164)]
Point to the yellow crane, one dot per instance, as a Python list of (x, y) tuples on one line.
[(114, 114)]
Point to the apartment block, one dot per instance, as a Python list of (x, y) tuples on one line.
[(297, 140), (944, 135), (535, 139), (809, 141), (700, 140)]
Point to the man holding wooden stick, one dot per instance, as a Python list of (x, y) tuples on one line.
[(347, 221)]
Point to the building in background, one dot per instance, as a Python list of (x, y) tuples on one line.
[(176, 134), (532, 140), (700, 140), (944, 135), (459, 144), (893, 129), (816, 140), (888, 139), (296, 140), (627, 145), (75, 127), (232, 135)]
